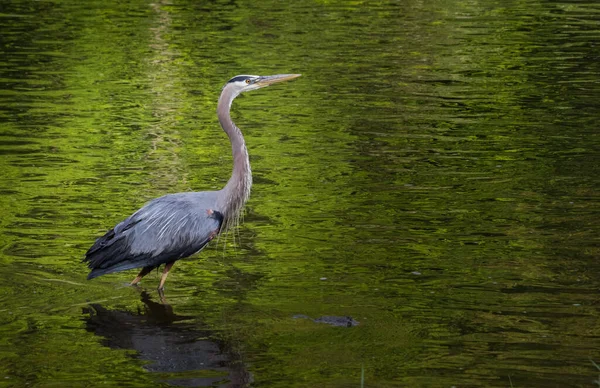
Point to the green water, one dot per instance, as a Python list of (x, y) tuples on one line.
[(434, 174)]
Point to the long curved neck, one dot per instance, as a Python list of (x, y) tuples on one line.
[(237, 190)]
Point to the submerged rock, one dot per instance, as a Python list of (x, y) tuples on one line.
[(332, 320)]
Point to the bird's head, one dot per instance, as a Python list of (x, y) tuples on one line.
[(244, 83)]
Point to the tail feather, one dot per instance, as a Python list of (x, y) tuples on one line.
[(110, 253), (116, 268)]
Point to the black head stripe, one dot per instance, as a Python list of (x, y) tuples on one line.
[(238, 78)]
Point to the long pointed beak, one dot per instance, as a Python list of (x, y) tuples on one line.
[(272, 79)]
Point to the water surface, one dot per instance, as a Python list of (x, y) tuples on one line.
[(433, 175)]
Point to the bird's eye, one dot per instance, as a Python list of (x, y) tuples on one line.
[(247, 80)]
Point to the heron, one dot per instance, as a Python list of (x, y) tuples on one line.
[(175, 226)]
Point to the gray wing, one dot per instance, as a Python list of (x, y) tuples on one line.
[(166, 229)]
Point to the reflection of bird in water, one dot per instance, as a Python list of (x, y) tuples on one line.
[(179, 351), (175, 226)]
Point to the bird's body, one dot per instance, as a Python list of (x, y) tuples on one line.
[(166, 229), (175, 226)]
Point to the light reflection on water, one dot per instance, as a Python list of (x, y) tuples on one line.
[(433, 175)]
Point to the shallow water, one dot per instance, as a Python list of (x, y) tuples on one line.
[(433, 175)]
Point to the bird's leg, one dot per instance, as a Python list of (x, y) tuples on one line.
[(165, 273), (145, 271), (161, 295)]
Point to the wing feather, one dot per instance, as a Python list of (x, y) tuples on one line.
[(166, 229)]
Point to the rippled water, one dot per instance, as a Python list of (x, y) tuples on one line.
[(433, 176)]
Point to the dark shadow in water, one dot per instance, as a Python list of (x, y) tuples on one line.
[(181, 352)]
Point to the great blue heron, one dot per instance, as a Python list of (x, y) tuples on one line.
[(175, 226)]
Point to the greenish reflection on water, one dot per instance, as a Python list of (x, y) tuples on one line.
[(434, 174)]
